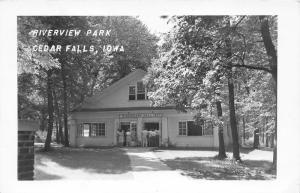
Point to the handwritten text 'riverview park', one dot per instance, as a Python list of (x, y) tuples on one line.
[(74, 48), (69, 32)]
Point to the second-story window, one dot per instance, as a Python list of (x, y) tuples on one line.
[(131, 93), (141, 91), (137, 92)]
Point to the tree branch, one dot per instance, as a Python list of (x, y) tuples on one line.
[(235, 26), (251, 67)]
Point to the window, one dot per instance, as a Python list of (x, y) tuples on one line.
[(208, 128), (91, 129), (86, 129), (141, 91), (182, 128), (80, 130), (131, 92), (192, 128), (98, 129), (137, 92)]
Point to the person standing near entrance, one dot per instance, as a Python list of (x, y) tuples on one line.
[(120, 138), (124, 138), (128, 138)]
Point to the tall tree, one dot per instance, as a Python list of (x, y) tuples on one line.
[(65, 102), (232, 107), (81, 75), (258, 36), (50, 110), (234, 51), (233, 123), (222, 152), (36, 63), (272, 53), (61, 23), (186, 76), (59, 135), (139, 45)]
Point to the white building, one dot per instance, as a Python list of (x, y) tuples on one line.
[(103, 119)]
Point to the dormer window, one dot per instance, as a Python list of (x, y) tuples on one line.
[(137, 92), (141, 91)]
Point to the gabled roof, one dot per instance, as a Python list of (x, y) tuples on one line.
[(108, 90)]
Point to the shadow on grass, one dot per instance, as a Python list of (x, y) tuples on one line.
[(160, 149), (210, 168), (244, 150), (105, 161)]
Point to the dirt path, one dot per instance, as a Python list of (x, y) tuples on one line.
[(143, 159), (148, 167)]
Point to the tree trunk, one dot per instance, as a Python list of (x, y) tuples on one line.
[(275, 148), (256, 139), (244, 130), (56, 132), (65, 101), (234, 131), (222, 152), (272, 53), (233, 123), (43, 120), (263, 131), (50, 111), (269, 46), (58, 119)]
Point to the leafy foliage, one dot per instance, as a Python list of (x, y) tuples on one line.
[(193, 64), (83, 73)]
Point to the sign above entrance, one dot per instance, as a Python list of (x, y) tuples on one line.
[(141, 115)]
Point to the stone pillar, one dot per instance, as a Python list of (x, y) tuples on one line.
[(72, 132), (26, 132), (164, 131)]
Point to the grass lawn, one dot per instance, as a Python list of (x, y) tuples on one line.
[(144, 163), (202, 164), (89, 163)]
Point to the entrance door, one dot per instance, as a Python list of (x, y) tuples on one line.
[(129, 133), (133, 134), (125, 127), (153, 128)]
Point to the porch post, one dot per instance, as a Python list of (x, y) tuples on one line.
[(116, 127), (73, 133), (164, 131)]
